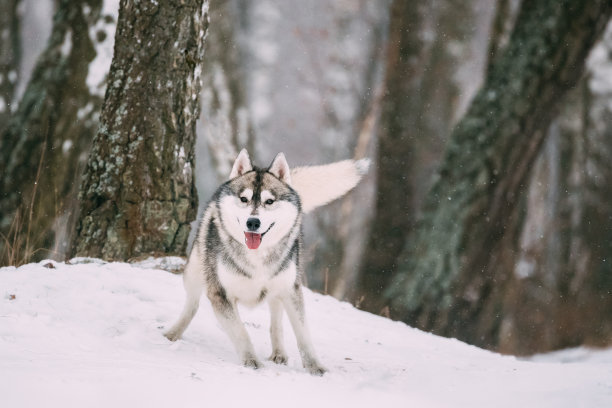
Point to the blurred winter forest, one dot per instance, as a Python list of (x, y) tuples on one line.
[(487, 213)]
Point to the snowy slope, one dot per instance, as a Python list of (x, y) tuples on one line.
[(89, 335)]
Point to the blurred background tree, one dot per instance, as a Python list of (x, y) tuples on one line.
[(45, 142), (459, 262), (10, 57), (487, 213)]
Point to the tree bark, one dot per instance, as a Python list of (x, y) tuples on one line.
[(418, 110), (449, 281), (42, 149), (503, 21), (393, 208), (138, 195)]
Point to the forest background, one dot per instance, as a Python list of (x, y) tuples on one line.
[(488, 212)]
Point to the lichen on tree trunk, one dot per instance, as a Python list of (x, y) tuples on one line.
[(138, 195), (449, 273)]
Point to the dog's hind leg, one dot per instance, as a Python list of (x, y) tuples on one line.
[(294, 305), (279, 356), (193, 281)]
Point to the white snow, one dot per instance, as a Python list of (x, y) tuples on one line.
[(89, 335), (66, 46), (85, 110), (66, 146), (99, 67)]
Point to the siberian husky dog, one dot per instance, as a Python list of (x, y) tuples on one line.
[(248, 250)]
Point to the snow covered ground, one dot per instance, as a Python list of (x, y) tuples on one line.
[(89, 335)]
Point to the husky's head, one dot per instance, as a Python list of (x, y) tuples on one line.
[(258, 206)]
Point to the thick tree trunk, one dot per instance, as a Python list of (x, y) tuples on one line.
[(418, 110), (138, 195), (10, 56), (42, 149), (450, 283), (393, 212), (503, 21)]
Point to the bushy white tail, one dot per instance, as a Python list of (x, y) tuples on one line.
[(319, 185)]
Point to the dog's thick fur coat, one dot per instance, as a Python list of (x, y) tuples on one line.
[(248, 250)]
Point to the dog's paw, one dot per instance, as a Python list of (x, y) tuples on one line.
[(172, 335), (316, 369), (278, 357), (251, 362)]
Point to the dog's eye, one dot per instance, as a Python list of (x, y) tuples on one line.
[(244, 199), (269, 201)]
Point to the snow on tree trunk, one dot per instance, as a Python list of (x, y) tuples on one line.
[(138, 195), (450, 282), (43, 148)]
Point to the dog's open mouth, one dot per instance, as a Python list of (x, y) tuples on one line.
[(253, 239)]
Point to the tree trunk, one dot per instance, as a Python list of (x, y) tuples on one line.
[(503, 21), (42, 149), (392, 218), (450, 282), (418, 110), (10, 56), (138, 195)]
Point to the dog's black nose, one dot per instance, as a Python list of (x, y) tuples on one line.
[(253, 224)]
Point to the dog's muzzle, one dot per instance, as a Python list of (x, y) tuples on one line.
[(253, 239)]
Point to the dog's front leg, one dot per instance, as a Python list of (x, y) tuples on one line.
[(229, 318), (294, 305), (279, 356)]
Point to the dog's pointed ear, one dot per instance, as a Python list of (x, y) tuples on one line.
[(241, 165), (280, 168)]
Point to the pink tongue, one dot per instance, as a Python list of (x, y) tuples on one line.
[(252, 240)]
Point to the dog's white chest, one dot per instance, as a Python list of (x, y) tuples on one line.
[(262, 283)]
